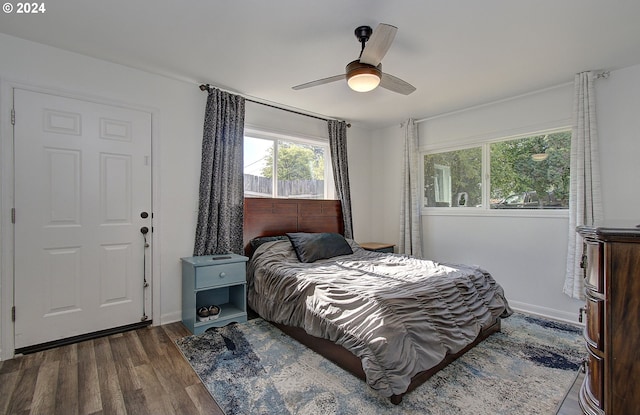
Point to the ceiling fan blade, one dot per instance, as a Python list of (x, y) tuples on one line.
[(320, 82), (378, 44), (394, 84)]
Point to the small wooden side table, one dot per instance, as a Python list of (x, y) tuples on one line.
[(377, 247)]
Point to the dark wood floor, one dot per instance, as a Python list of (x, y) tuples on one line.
[(137, 372), (570, 405)]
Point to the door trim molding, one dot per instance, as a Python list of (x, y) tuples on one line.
[(7, 252)]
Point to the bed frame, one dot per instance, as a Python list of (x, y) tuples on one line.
[(272, 217)]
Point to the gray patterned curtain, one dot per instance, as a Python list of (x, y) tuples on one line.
[(220, 213), (338, 146)]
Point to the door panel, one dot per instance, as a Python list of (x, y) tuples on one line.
[(82, 175), (62, 280), (114, 274)]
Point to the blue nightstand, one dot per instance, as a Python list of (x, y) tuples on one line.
[(214, 280)]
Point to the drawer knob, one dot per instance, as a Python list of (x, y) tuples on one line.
[(223, 274), (584, 366)]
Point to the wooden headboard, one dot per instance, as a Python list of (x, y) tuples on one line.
[(272, 217)]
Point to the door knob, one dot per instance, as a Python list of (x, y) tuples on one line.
[(144, 230), (144, 215)]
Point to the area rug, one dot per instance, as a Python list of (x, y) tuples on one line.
[(253, 368)]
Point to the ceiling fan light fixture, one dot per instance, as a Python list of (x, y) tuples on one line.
[(363, 82), (362, 77)]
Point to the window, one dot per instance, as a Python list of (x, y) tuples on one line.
[(530, 172), (285, 167), (453, 178)]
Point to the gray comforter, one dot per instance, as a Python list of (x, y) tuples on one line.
[(398, 314)]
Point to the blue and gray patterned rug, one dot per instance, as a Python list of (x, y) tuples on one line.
[(253, 368)]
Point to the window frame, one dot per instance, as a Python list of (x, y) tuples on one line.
[(485, 145), (296, 138)]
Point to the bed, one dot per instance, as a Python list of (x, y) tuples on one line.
[(374, 314)]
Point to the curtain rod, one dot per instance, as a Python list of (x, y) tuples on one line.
[(207, 87), (598, 75)]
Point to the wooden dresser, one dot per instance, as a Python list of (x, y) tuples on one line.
[(611, 263)]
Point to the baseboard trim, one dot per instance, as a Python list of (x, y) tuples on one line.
[(82, 337), (546, 312), (172, 317)]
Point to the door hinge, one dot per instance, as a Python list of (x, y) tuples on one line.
[(13, 116), (13, 215), (13, 314)]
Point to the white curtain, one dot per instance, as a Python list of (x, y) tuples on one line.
[(585, 203), (410, 223)]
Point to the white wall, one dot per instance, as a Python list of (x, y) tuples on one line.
[(618, 115), (178, 113), (360, 144), (386, 183)]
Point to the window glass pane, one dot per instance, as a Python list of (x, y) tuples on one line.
[(453, 178), (258, 167), (300, 170), (531, 172)]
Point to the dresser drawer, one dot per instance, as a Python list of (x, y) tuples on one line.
[(223, 274), (594, 380), (593, 327), (593, 271)]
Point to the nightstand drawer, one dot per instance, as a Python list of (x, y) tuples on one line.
[(223, 274)]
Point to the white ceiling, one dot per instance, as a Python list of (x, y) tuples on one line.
[(457, 53)]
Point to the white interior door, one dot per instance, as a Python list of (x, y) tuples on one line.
[(82, 181)]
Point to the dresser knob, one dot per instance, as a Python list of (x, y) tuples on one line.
[(583, 261), (222, 275), (584, 365)]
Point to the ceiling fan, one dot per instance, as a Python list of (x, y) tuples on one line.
[(365, 73)]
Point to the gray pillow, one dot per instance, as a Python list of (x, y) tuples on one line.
[(310, 247), (256, 242)]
